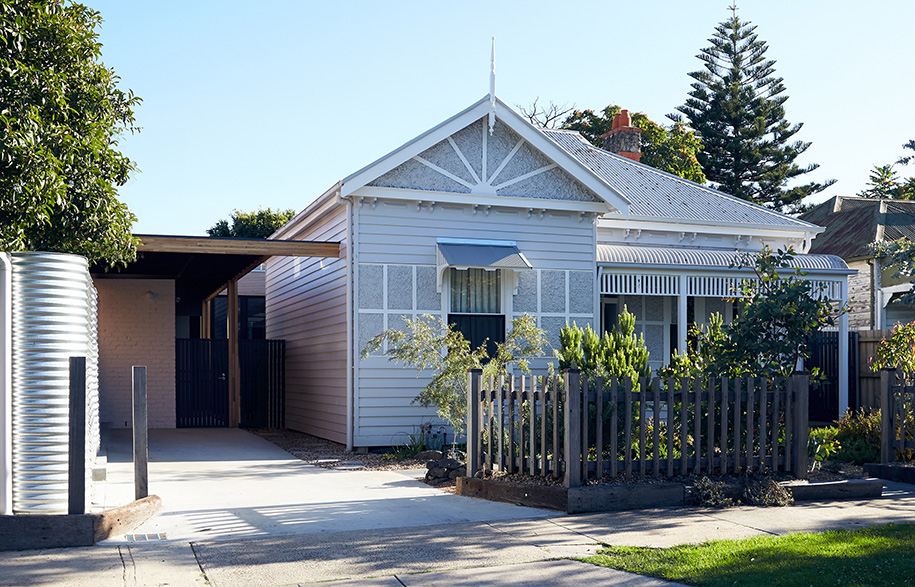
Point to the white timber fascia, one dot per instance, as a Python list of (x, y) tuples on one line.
[(533, 204)]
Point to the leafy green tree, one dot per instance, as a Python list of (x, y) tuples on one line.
[(737, 107), (779, 311), (429, 344), (61, 114), (260, 224), (673, 149), (897, 351)]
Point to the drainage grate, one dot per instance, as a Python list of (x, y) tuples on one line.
[(145, 537)]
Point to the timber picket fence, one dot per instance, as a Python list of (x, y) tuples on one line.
[(897, 409), (567, 426)]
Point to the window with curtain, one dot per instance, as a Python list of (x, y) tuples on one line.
[(476, 291), (476, 306)]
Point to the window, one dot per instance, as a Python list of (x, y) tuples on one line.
[(476, 306)]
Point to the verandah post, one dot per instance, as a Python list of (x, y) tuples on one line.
[(474, 438), (572, 432), (800, 384)]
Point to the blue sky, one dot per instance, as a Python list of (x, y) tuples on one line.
[(248, 105)]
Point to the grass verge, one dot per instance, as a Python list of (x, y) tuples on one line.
[(878, 555)]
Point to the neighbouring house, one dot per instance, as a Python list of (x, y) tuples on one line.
[(484, 218), (853, 223)]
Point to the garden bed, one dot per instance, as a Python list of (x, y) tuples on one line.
[(636, 495)]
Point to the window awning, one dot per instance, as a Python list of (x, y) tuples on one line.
[(484, 254)]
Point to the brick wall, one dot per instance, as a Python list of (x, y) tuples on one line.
[(136, 327)]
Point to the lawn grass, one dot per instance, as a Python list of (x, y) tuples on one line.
[(878, 555)]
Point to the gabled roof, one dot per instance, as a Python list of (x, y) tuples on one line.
[(656, 195), (852, 223), (505, 115)]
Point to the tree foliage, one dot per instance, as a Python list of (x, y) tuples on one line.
[(736, 105), (897, 351), (61, 114), (673, 149), (899, 255), (779, 311), (618, 353), (260, 224), (429, 344), (885, 182)]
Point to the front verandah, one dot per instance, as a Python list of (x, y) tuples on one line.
[(669, 297)]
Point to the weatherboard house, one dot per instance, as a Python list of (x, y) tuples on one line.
[(484, 218)]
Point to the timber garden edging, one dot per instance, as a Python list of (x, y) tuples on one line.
[(608, 498)]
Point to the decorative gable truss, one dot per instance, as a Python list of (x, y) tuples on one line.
[(472, 161)]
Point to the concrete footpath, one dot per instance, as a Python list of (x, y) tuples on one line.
[(507, 552), (238, 511)]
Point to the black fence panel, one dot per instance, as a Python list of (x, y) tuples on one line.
[(263, 383), (824, 354), (201, 383), (202, 387)]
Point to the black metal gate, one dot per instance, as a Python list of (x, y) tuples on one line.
[(263, 383), (824, 354), (202, 389)]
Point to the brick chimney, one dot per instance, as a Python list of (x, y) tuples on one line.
[(623, 138)]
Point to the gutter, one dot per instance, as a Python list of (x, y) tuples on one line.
[(6, 386)]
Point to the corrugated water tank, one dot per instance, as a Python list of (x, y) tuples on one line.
[(54, 318)]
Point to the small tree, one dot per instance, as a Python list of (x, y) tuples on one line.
[(619, 353), (260, 224), (429, 344), (780, 311)]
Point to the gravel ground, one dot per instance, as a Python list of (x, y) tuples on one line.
[(332, 455)]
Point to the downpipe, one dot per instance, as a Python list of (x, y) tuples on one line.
[(6, 386)]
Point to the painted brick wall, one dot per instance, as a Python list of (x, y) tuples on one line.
[(136, 327)]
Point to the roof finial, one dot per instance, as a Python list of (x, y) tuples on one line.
[(492, 88)]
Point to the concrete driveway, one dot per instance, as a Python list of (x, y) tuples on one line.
[(228, 483)]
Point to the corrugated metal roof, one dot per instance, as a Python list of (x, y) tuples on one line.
[(689, 257), (852, 223), (656, 194)]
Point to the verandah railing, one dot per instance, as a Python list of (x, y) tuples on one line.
[(567, 426), (897, 409)]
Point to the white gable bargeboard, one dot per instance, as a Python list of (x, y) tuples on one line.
[(471, 161)]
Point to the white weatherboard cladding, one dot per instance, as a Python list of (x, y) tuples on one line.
[(396, 277), (474, 162), (396, 233), (306, 306)]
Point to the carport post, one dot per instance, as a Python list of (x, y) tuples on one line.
[(234, 372), (140, 435)]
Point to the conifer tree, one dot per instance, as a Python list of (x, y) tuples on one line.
[(737, 108)]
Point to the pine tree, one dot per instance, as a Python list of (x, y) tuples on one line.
[(737, 107)]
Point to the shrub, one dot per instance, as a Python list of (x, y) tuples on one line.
[(822, 444), (858, 433)]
